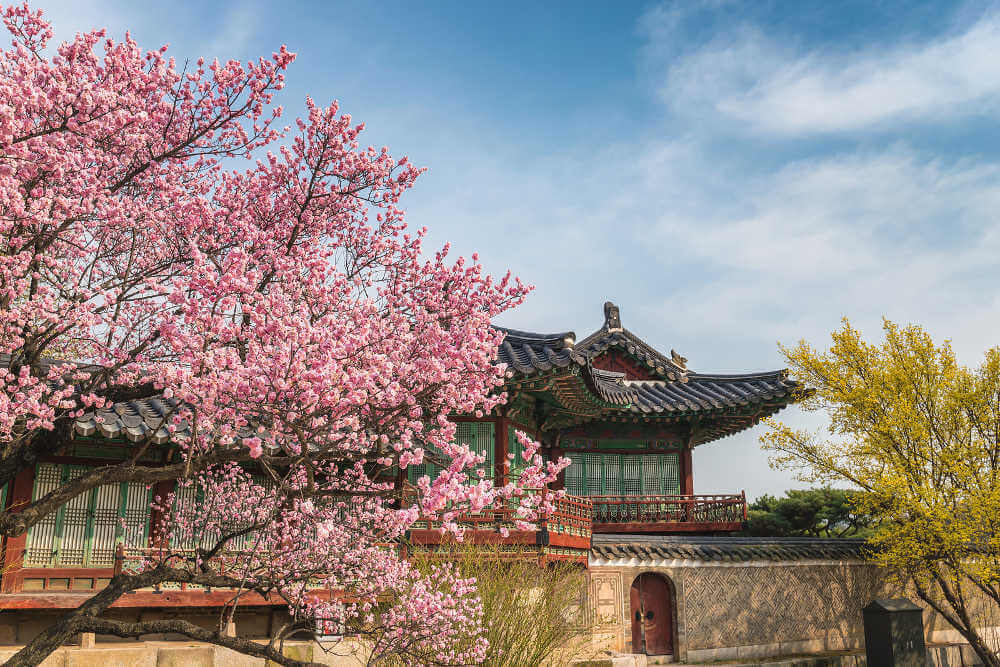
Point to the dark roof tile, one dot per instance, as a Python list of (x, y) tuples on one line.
[(134, 420), (604, 338), (709, 392), (725, 549), (529, 353)]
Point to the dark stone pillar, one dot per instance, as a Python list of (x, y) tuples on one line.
[(894, 634)]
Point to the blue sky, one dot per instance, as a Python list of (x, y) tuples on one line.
[(731, 174)]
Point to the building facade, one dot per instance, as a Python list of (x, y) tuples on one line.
[(626, 415)]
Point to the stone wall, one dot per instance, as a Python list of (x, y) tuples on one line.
[(194, 654), (753, 610)]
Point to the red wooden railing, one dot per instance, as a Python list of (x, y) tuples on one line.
[(566, 533), (563, 535), (573, 515), (710, 511)]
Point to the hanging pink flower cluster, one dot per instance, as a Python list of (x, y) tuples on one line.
[(160, 235), (333, 559)]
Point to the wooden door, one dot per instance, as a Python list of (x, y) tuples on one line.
[(652, 621)]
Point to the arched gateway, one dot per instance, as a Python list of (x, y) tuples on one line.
[(651, 611)]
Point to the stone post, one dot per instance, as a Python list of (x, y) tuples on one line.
[(894, 634)]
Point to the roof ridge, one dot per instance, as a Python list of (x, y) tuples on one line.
[(779, 374), (623, 538), (726, 548), (604, 334), (563, 338)]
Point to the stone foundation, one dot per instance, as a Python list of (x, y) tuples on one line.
[(20, 627), (190, 654)]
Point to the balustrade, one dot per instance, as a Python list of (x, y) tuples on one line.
[(710, 510)]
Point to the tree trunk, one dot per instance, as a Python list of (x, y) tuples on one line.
[(63, 630), (966, 629), (86, 618), (989, 658)]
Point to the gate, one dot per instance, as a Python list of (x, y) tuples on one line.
[(651, 604)]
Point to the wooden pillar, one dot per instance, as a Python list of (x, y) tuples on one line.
[(400, 483), (13, 558), (687, 483), (160, 490), (502, 447), (556, 453)]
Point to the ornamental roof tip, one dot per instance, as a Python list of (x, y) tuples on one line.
[(612, 317)]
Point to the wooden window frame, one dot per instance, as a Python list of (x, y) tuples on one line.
[(65, 472), (587, 458)]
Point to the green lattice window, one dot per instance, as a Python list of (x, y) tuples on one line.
[(622, 474), (517, 464), (480, 438), (85, 531), (187, 500)]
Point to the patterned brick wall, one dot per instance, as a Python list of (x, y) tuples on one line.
[(741, 606), (717, 606), (766, 609)]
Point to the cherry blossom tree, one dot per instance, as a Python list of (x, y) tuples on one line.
[(161, 235)]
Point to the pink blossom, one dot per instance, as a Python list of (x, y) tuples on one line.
[(282, 312)]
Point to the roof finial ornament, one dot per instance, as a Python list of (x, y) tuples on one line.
[(612, 319)]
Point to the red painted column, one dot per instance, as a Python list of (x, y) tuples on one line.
[(400, 483), (160, 490), (687, 484), (556, 454), (13, 557), (502, 447)]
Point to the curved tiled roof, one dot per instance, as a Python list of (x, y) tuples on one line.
[(612, 386), (723, 549), (592, 392), (704, 392), (605, 338), (529, 353), (132, 420), (680, 392)]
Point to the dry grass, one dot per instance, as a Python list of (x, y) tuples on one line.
[(531, 612)]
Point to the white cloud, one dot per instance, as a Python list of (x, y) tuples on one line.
[(858, 234), (751, 77), (866, 235), (847, 213)]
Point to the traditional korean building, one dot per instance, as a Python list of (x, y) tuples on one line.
[(626, 415)]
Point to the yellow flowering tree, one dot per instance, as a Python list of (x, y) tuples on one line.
[(918, 435)]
